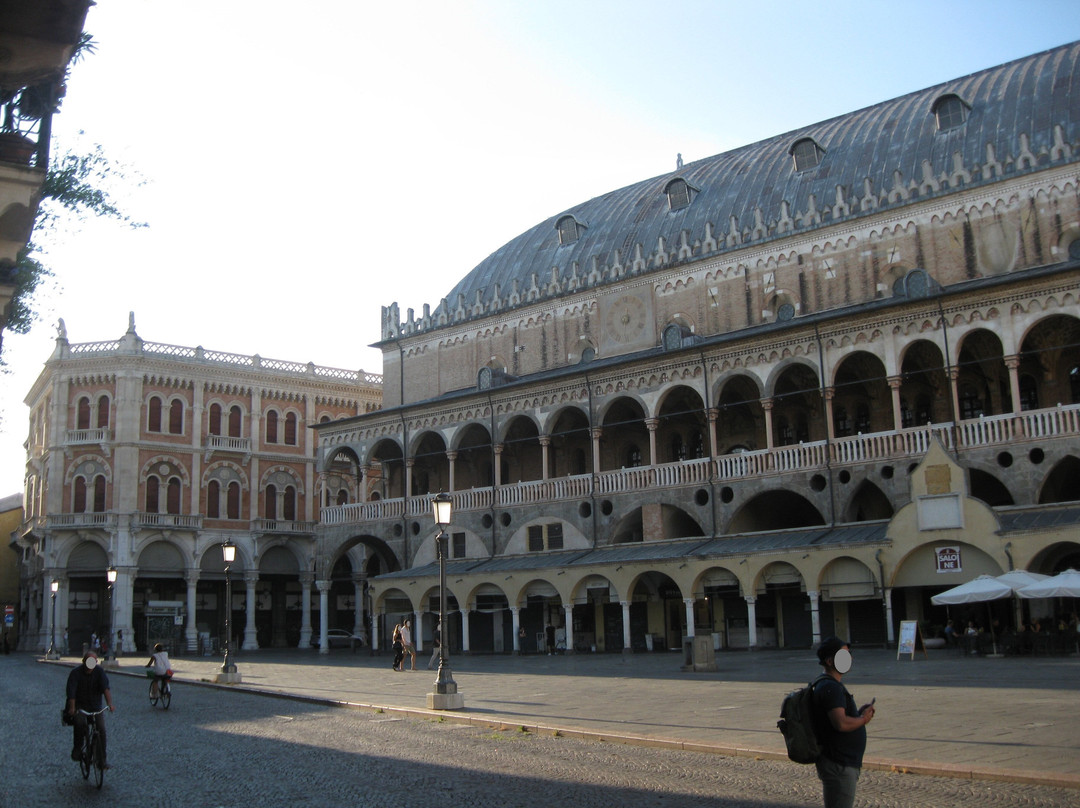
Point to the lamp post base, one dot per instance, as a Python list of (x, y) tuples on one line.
[(446, 701), (51, 654), (226, 677)]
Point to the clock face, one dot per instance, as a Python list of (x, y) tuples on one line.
[(626, 318)]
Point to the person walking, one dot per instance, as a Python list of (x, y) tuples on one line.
[(86, 685), (436, 640), (407, 643), (398, 646), (839, 726)]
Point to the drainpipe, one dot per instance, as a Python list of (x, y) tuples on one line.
[(494, 474), (948, 381), (592, 477), (828, 440), (404, 446), (886, 606), (712, 460)]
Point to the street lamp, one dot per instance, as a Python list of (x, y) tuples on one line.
[(54, 587), (445, 696), (228, 669), (110, 576)]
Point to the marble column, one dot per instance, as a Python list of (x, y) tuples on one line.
[(251, 640)]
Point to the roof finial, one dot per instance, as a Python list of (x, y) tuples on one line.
[(678, 161)]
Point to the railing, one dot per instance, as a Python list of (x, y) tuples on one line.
[(167, 520), (108, 521), (282, 526), (998, 430), (223, 443), (101, 435)]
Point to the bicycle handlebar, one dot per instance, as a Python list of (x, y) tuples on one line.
[(92, 712)]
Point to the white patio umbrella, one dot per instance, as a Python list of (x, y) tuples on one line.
[(1018, 579), (984, 588), (1063, 585)]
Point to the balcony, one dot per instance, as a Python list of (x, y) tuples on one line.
[(984, 432), (102, 435), (73, 521), (283, 526), (223, 443), (173, 521)]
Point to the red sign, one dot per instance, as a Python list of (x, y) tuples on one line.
[(948, 559)]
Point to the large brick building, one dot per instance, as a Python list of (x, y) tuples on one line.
[(792, 389)]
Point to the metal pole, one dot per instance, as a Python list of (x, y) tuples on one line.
[(227, 666), (444, 682), (52, 632)]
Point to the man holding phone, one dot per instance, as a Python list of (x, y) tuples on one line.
[(839, 725)]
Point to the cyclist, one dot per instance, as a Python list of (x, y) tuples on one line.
[(86, 685), (159, 661)]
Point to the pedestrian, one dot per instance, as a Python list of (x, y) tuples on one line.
[(86, 684), (65, 641), (119, 644), (549, 635), (95, 643), (839, 726), (399, 647), (521, 639), (407, 642), (436, 640)]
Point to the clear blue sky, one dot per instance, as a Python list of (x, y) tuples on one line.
[(308, 163)]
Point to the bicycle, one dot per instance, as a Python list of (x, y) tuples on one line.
[(164, 694), (92, 756)]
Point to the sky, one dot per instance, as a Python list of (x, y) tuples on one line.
[(301, 165)]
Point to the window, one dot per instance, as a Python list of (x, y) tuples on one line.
[(235, 418), (215, 419), (633, 457), (951, 112), (270, 503), (153, 419), (458, 545), (99, 494), (971, 405), (545, 537), (213, 496), (172, 504), (79, 503), (289, 505), (678, 194), (807, 154), (152, 486), (232, 507), (1029, 393), (342, 497), (82, 419), (271, 426), (568, 230), (103, 412), (176, 417), (290, 429), (1074, 250)]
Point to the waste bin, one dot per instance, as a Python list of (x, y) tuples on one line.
[(699, 654)]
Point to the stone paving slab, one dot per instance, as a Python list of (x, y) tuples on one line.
[(1008, 719)]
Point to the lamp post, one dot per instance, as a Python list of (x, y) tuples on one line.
[(110, 577), (228, 669), (54, 587), (445, 696)]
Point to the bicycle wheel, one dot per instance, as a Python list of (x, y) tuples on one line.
[(85, 758), (166, 694), (153, 698), (99, 761)]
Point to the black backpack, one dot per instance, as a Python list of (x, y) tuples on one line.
[(797, 724)]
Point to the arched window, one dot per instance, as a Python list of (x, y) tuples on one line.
[(806, 154), (232, 507), (270, 502), (271, 426), (78, 505), (176, 417), (568, 230), (290, 429), (342, 497), (950, 111), (173, 503), (152, 486), (289, 505), (215, 419), (103, 412), (235, 421), (153, 417), (678, 194), (213, 497), (99, 494), (82, 417)]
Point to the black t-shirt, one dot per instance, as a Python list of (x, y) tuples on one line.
[(845, 748), (87, 687)]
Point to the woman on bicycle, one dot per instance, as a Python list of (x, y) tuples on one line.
[(86, 685), (160, 663)]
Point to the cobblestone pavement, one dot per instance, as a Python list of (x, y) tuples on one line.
[(225, 748)]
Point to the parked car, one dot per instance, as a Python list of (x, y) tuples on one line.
[(340, 638)]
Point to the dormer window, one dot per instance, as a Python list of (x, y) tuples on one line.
[(569, 230), (807, 154), (950, 111), (678, 194)]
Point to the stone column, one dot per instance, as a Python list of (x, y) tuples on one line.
[(1013, 365), (625, 626), (450, 458), (251, 641), (596, 432), (305, 609), (688, 603), (324, 605), (651, 424), (894, 389), (767, 405), (465, 631), (830, 425), (954, 394), (890, 633), (375, 620), (359, 628), (545, 448), (751, 620), (191, 629), (713, 415), (568, 620), (815, 615), (515, 623), (408, 476), (498, 450)]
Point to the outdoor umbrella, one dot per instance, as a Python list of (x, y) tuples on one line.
[(1063, 585), (1018, 579), (983, 588)]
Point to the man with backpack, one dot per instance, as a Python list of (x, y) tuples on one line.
[(839, 726)]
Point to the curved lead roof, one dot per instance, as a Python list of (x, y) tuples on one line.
[(1037, 98)]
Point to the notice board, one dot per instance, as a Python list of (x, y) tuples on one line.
[(910, 639)]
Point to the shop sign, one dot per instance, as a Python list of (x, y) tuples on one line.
[(948, 559)]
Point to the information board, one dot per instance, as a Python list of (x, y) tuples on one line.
[(910, 638)]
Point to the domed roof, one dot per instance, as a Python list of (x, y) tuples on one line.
[(1011, 119)]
